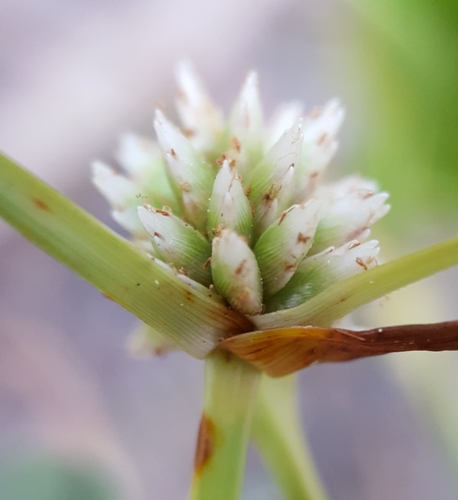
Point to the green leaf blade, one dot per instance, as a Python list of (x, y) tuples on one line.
[(346, 296), (179, 308)]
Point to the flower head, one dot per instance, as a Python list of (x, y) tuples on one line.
[(238, 205)]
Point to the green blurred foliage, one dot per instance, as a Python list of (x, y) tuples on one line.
[(45, 477), (408, 59)]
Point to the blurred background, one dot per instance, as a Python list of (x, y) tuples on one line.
[(81, 419)]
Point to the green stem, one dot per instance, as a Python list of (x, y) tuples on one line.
[(280, 440), (230, 395), (151, 291)]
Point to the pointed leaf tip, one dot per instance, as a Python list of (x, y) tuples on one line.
[(236, 273), (284, 245), (229, 206), (202, 120), (178, 243), (192, 174), (120, 191)]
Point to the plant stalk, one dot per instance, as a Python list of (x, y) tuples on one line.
[(281, 442), (230, 395)]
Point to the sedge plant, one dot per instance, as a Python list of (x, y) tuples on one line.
[(241, 256)]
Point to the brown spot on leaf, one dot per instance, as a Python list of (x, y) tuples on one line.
[(253, 211), (241, 267), (207, 263), (353, 244), (290, 267), (185, 186), (361, 263), (302, 238), (221, 159), (188, 132), (163, 212), (282, 217), (235, 144), (173, 153), (205, 444), (41, 205), (322, 139), (268, 198)]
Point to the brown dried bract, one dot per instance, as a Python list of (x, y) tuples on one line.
[(281, 351)]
